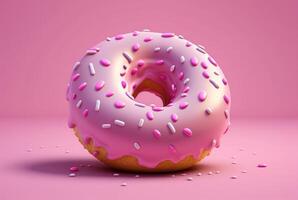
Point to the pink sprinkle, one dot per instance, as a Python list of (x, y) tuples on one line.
[(135, 47), (74, 169), (194, 61), (183, 105), (156, 133), (160, 62), (202, 96), (85, 113), (224, 81), (140, 63), (205, 74), (172, 148), (123, 83), (181, 76), (105, 62), (204, 65), (134, 71), (167, 35), (119, 104), (99, 85), (147, 39), (75, 77), (109, 94), (119, 37), (186, 89), (188, 44), (212, 61), (157, 108), (227, 99), (187, 132), (262, 165), (82, 86), (74, 96), (174, 117), (135, 33), (150, 115)]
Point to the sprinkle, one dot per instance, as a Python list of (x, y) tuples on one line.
[(201, 46), (157, 49), (109, 94), (95, 153), (136, 145), (119, 37), (227, 99), (167, 35), (123, 184), (186, 81), (75, 77), (181, 76), (181, 36), (183, 94), (99, 85), (137, 176), (186, 89), (91, 52), (146, 30), (184, 174), (72, 175), (234, 162), (201, 50), (202, 96), (233, 177), (74, 169), (172, 68), (172, 148), (210, 173), (140, 105), (171, 127), (91, 69), (76, 65), (169, 49), (123, 83), (150, 115), (213, 143), (119, 104), (119, 122), (182, 59), (116, 174), (135, 33), (205, 74), (224, 81), (216, 73), (244, 171), (82, 86), (108, 39), (213, 83), (194, 61), (79, 103), (174, 117), (208, 111), (147, 39), (173, 87), (85, 113), (204, 65), (157, 108), (141, 123), (106, 126), (188, 44), (199, 174), (129, 95), (183, 105), (74, 96), (135, 47), (189, 179), (134, 71), (140, 63), (212, 61), (262, 165), (187, 132), (127, 57), (29, 150), (122, 73), (226, 112), (156, 133), (160, 62), (105, 62)]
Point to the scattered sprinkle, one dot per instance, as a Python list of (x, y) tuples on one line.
[(183, 105), (74, 169), (186, 81), (123, 184), (202, 95), (213, 83), (147, 39), (72, 175), (208, 111), (169, 49), (123, 83), (212, 61), (91, 52), (150, 115), (210, 173), (189, 179), (119, 122), (119, 37), (172, 68), (116, 174), (156, 133), (135, 47), (105, 126), (79, 104), (97, 105), (119, 104), (167, 35), (156, 49), (174, 117), (233, 177), (99, 85), (91, 69), (129, 95), (171, 127), (187, 132), (141, 123), (127, 57), (140, 63), (82, 86), (182, 59), (194, 61), (199, 174), (261, 165), (160, 62), (75, 77), (76, 65), (105, 62), (136, 145)]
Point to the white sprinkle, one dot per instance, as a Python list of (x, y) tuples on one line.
[(106, 125), (182, 59), (97, 49), (244, 171), (173, 175), (173, 87), (127, 57), (157, 49), (91, 52), (199, 174), (201, 46), (141, 123), (183, 94), (97, 105), (72, 175), (169, 49), (213, 143), (136, 145), (189, 179), (129, 95), (76, 65), (146, 30), (217, 172), (108, 39), (233, 177), (137, 176), (79, 103), (91, 68), (171, 127), (140, 104), (210, 173), (119, 122), (123, 184), (116, 174), (180, 36), (208, 111), (172, 68), (186, 81), (184, 174)]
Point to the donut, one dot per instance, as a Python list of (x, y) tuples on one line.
[(130, 135)]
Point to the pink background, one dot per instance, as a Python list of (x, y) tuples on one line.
[(255, 42)]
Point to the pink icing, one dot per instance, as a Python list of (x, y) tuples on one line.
[(198, 123)]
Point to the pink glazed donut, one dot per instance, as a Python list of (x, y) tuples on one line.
[(129, 135)]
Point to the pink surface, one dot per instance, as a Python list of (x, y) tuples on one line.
[(37, 168), (255, 42)]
